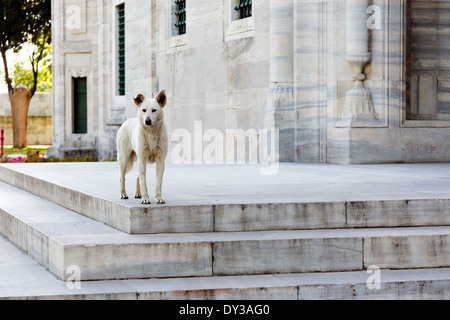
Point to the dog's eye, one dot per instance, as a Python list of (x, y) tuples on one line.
[(154, 110), (144, 110)]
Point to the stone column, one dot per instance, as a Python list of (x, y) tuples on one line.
[(359, 110), (280, 109), (58, 120)]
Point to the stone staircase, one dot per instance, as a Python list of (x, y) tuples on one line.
[(68, 215)]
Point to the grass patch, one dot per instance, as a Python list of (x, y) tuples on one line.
[(33, 154), (10, 150)]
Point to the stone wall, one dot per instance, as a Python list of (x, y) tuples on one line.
[(331, 76), (75, 42), (343, 47), (39, 126), (218, 72)]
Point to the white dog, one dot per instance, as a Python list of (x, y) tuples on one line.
[(144, 138)]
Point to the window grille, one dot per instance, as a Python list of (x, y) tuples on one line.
[(80, 106), (244, 8), (180, 12), (121, 48)]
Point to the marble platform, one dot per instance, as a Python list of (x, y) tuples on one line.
[(309, 231)]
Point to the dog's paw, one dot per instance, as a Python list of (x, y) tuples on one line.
[(160, 200), (138, 196), (145, 201), (124, 197)]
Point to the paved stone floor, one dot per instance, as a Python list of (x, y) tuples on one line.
[(203, 184)]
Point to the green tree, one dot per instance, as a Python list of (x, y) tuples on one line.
[(23, 21), (23, 74)]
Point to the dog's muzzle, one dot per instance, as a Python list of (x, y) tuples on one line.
[(148, 122)]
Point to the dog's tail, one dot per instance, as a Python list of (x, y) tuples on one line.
[(126, 163), (131, 162)]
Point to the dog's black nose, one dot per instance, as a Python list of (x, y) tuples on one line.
[(148, 122)]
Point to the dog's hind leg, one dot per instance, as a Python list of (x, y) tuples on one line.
[(125, 165), (123, 172)]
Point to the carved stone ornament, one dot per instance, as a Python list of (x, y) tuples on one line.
[(79, 72), (358, 100)]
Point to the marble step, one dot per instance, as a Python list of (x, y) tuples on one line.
[(247, 202), (22, 278), (60, 239)]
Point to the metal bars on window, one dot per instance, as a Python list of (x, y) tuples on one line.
[(121, 48), (180, 12), (244, 8), (80, 106)]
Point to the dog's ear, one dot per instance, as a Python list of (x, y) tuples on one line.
[(139, 99), (161, 98)]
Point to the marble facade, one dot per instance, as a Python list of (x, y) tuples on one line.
[(344, 81)]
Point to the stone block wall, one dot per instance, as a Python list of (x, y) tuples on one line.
[(339, 43), (217, 73)]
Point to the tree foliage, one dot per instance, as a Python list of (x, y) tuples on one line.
[(13, 31), (23, 74), (23, 21)]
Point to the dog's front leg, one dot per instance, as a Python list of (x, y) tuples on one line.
[(160, 167), (143, 182), (138, 189)]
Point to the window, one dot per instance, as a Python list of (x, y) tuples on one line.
[(180, 13), (80, 105), (244, 9), (428, 77), (121, 48), (239, 20)]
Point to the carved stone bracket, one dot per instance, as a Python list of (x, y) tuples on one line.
[(358, 101), (359, 109)]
